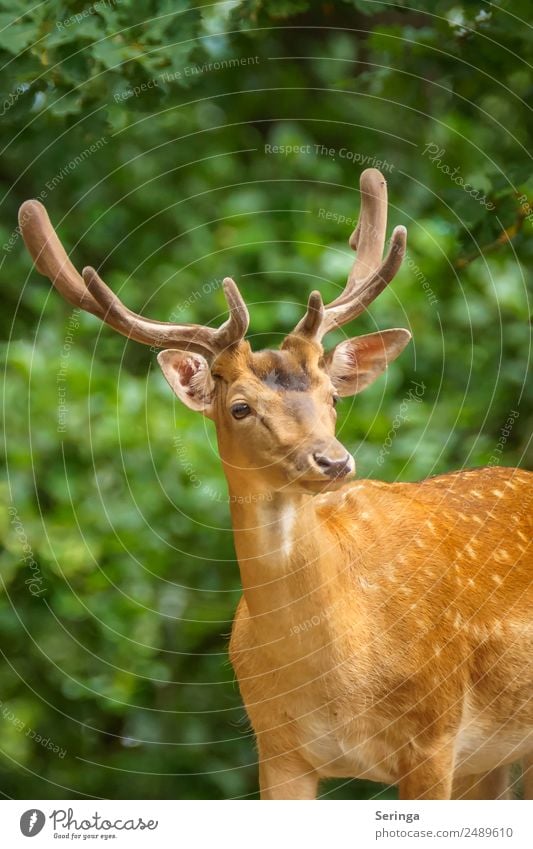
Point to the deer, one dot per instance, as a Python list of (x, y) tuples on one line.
[(385, 629)]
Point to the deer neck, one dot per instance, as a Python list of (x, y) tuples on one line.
[(280, 550)]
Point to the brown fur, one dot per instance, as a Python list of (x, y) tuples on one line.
[(430, 627)]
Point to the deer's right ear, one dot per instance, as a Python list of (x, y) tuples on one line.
[(189, 376)]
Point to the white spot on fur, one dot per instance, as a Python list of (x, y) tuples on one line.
[(286, 525), (366, 585)]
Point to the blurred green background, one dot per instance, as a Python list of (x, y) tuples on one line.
[(144, 126)]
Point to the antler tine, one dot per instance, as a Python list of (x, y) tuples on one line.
[(91, 294), (50, 257), (339, 313), (159, 334), (368, 238), (314, 317), (369, 274), (237, 324)]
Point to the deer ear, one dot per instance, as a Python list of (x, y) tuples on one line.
[(355, 364), (189, 376)]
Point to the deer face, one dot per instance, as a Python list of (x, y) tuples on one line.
[(275, 410)]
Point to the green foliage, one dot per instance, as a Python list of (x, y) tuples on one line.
[(143, 126)]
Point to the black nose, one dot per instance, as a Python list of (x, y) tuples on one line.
[(331, 466)]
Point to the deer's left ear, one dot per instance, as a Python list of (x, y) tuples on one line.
[(353, 365), (190, 378)]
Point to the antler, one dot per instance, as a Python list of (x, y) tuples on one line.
[(90, 293), (369, 274)]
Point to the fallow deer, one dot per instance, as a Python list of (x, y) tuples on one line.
[(417, 670)]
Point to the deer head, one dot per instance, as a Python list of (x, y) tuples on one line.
[(274, 411)]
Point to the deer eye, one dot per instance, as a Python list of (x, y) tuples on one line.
[(240, 410)]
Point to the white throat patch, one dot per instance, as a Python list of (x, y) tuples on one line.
[(277, 530)]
